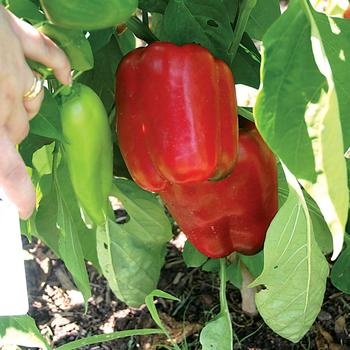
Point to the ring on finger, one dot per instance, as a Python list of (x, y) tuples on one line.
[(34, 91)]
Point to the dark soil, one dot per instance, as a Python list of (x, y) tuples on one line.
[(59, 313)]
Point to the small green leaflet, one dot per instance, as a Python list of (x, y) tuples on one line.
[(295, 270)]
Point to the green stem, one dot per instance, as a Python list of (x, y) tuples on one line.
[(223, 281), (247, 7), (246, 114), (65, 88), (145, 18), (141, 30)]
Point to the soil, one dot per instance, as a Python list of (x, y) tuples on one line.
[(57, 308)]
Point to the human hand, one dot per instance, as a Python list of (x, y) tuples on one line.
[(18, 41)]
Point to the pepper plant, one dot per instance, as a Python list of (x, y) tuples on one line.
[(298, 62)]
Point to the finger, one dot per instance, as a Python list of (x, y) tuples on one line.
[(40, 48), (14, 178), (17, 126), (32, 105)]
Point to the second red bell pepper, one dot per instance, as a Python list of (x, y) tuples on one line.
[(220, 217), (176, 115)]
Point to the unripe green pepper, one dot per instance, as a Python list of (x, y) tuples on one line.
[(88, 14), (88, 150)]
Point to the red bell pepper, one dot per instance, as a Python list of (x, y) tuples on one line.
[(176, 115), (220, 217)]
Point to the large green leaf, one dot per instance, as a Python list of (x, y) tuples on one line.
[(263, 15), (297, 113), (58, 223), (246, 64), (131, 255), (335, 36), (290, 80), (49, 233), (321, 231), (295, 270), (330, 191), (21, 331), (204, 22), (107, 58)]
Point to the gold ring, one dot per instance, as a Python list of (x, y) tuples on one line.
[(35, 90)]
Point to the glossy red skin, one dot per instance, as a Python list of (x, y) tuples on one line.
[(177, 115), (233, 214), (346, 14)]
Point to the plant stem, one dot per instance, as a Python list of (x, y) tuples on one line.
[(223, 280), (246, 114), (141, 30), (145, 18), (247, 7), (66, 87)]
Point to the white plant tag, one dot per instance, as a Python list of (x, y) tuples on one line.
[(13, 287)]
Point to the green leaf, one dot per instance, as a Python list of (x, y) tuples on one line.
[(295, 270), (158, 6), (297, 113), (232, 8), (46, 219), (131, 255), (30, 145), (218, 334), (340, 274), (149, 300), (291, 80), (234, 274), (25, 9), (100, 38), (59, 223), (192, 256), (69, 244), (321, 231), (102, 338), (102, 78), (43, 159), (47, 122), (263, 15), (335, 34), (73, 43), (330, 191), (126, 41), (245, 9), (246, 64), (211, 265), (254, 263), (46, 223), (205, 22), (21, 331)]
